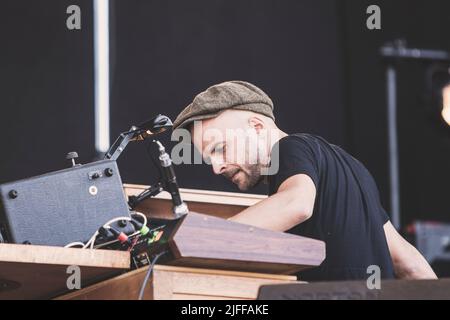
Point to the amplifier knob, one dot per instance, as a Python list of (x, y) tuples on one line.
[(13, 194), (72, 156), (109, 172)]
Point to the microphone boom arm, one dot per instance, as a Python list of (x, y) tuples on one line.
[(119, 145), (151, 127)]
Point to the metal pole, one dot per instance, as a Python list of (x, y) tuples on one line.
[(394, 177), (101, 74), (392, 52)]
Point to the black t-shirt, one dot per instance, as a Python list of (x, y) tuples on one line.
[(347, 215)]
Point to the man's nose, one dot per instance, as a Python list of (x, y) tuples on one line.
[(218, 166)]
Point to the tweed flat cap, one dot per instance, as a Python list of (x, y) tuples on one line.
[(238, 95)]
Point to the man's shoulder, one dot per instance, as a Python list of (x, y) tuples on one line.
[(297, 153), (297, 147), (302, 138)]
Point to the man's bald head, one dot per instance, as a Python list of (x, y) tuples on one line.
[(232, 126), (236, 143)]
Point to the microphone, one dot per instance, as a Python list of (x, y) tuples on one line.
[(170, 181)]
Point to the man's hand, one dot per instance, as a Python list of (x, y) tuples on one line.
[(292, 204), (408, 262)]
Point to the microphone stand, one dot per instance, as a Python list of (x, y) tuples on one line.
[(134, 201), (168, 183)]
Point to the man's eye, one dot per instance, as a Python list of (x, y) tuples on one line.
[(219, 149)]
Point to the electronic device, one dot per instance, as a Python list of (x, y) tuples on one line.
[(83, 205), (432, 239), (62, 206)]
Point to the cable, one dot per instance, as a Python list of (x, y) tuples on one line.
[(135, 240), (143, 216), (73, 244), (149, 273), (91, 241), (106, 225)]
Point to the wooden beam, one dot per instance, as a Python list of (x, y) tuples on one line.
[(169, 282), (215, 203), (40, 272)]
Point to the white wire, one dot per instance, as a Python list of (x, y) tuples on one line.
[(94, 237), (73, 244), (108, 243), (91, 241), (142, 215), (126, 218)]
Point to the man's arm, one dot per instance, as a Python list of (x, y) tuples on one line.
[(408, 262), (292, 204)]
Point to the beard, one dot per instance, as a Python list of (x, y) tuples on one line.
[(245, 177)]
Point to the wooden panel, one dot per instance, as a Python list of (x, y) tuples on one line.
[(177, 296), (171, 282), (204, 241), (123, 287), (40, 272), (217, 284), (215, 203), (226, 273)]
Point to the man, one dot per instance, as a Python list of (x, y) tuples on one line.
[(316, 189)]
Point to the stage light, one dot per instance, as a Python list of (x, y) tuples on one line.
[(438, 88), (446, 103)]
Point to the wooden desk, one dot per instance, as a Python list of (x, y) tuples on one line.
[(40, 272), (208, 240), (181, 283), (215, 203)]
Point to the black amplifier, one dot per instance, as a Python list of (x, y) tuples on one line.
[(64, 206)]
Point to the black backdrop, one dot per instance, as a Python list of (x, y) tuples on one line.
[(46, 87), (316, 59), (165, 52), (424, 149)]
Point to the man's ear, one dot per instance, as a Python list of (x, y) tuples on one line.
[(256, 123)]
